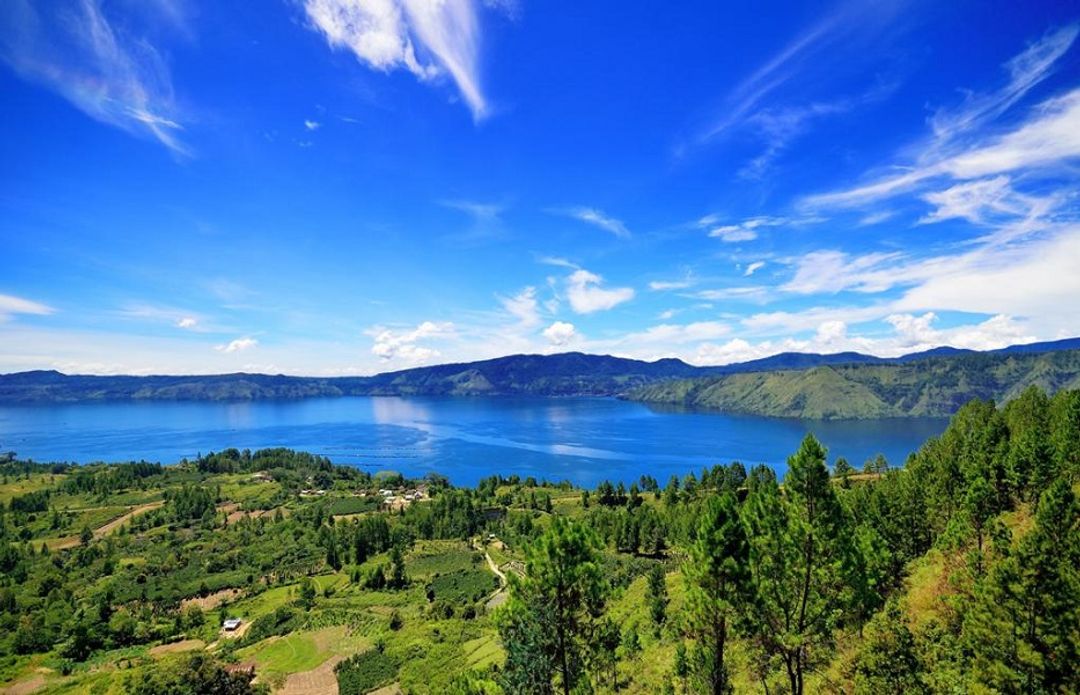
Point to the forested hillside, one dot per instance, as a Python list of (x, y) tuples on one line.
[(956, 573), (935, 386), (935, 382)]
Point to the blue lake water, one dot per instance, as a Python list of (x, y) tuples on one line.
[(584, 440)]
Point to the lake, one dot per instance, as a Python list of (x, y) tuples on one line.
[(584, 440)]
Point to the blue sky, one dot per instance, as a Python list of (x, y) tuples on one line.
[(351, 186)]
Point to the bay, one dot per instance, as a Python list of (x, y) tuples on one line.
[(583, 440)]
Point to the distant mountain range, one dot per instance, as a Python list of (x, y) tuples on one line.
[(795, 384)]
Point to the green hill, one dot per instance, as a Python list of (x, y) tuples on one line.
[(935, 386)]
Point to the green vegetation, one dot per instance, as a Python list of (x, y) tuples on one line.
[(929, 387), (956, 573), (364, 672), (577, 374)]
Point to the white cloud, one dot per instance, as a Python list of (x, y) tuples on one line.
[(598, 218), (663, 285), (1037, 280), (557, 262), (102, 66), (9, 306), (816, 45), (876, 218), (187, 322), (832, 333), (486, 218), (676, 334), (751, 292), (238, 345), (747, 230), (962, 150), (586, 296), (312, 125), (753, 267), (1025, 70), (914, 330), (424, 37), (833, 271), (390, 345), (991, 202), (481, 212), (523, 306), (560, 333)]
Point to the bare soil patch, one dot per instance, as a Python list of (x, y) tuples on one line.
[(320, 680), (188, 645), (213, 600), (115, 524), (392, 689), (36, 683)]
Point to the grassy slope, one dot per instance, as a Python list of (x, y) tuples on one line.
[(932, 387)]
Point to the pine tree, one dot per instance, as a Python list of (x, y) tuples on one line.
[(888, 663), (657, 594), (1024, 625), (562, 594), (717, 575), (801, 560)]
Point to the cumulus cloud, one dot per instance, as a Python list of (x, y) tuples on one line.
[(426, 38), (187, 322), (914, 330), (97, 61), (586, 296), (560, 333), (831, 333), (312, 125), (238, 345), (390, 345), (10, 305)]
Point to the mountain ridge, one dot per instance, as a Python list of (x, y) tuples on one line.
[(561, 374)]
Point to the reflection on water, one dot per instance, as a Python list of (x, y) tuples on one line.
[(580, 439)]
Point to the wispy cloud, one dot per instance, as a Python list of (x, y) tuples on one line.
[(426, 38), (96, 61), (523, 306), (961, 149), (597, 218), (482, 212), (1025, 71), (747, 230), (312, 125), (755, 103), (778, 127), (753, 268), (665, 285), (10, 305), (557, 261)]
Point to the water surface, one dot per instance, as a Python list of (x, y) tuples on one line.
[(583, 440)]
